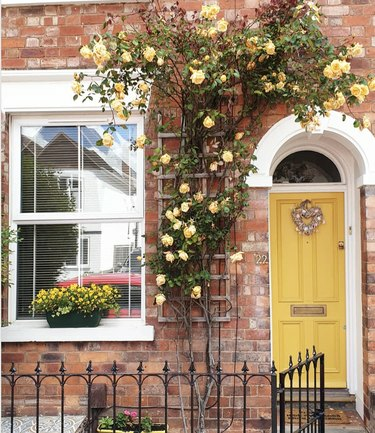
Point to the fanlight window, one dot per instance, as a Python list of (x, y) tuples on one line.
[(306, 167)]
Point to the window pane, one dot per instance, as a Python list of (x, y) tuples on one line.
[(109, 174), (62, 254), (306, 167), (49, 158)]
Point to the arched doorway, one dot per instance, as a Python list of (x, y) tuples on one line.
[(353, 153)]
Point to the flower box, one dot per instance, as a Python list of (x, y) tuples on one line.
[(157, 428), (74, 319)]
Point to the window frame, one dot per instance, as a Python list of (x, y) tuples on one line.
[(131, 329)]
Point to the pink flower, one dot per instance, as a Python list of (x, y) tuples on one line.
[(133, 414), (126, 412)]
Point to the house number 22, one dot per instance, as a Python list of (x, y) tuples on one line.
[(261, 259)]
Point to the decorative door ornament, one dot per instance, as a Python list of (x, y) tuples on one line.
[(307, 218)]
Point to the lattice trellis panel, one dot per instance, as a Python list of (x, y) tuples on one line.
[(220, 304)]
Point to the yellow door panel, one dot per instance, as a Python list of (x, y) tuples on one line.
[(308, 283)]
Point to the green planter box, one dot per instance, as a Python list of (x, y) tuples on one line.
[(74, 319)]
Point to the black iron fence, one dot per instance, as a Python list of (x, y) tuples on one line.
[(291, 401)]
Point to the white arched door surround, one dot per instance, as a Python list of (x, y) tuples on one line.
[(353, 152)]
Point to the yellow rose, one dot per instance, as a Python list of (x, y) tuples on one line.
[(213, 207), (239, 135), (340, 99), (223, 78), (119, 87), (122, 35), (126, 56), (184, 188), (366, 122), (269, 48), (169, 215), (165, 159), (212, 32), (196, 292), (222, 25), (208, 122), (328, 105), (76, 87), (176, 212), (345, 66), (268, 87), (167, 240), (169, 257), (160, 61), (364, 90), (199, 197), (140, 141), (327, 72), (160, 299), (280, 85), (197, 77), (213, 166), (336, 67), (355, 50), (236, 257), (177, 225), (143, 87), (185, 206), (227, 156), (149, 53), (160, 279), (189, 231), (183, 255), (107, 139), (356, 91), (117, 105), (281, 76), (371, 84), (86, 52)]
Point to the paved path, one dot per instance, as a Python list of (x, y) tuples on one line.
[(47, 424)]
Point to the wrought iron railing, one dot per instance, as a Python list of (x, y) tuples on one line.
[(169, 397)]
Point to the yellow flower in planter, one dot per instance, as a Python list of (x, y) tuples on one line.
[(196, 292), (167, 240), (223, 78), (208, 122), (160, 280)]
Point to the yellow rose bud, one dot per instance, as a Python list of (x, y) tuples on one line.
[(227, 156), (107, 139), (184, 188), (183, 255), (213, 166), (366, 122), (126, 56), (371, 84), (223, 78), (236, 257), (197, 77), (239, 135), (76, 87), (165, 159), (149, 53), (119, 87), (208, 122), (270, 48), (185, 206), (160, 61), (169, 257), (160, 299), (196, 292), (222, 25)]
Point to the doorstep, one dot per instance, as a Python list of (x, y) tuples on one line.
[(47, 424)]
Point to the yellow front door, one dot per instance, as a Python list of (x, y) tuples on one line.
[(308, 283)]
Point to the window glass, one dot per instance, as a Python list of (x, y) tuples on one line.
[(306, 167)]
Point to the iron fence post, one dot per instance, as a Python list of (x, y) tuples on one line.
[(273, 399)]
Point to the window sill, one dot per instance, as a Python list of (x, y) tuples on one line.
[(108, 330)]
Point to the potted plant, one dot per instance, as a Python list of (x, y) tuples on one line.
[(125, 422), (75, 306)]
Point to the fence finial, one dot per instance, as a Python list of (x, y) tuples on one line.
[(314, 351), (140, 367), (245, 368), (12, 369), (89, 368), (299, 358), (38, 370), (114, 367), (192, 367), (166, 368), (290, 361), (273, 367), (62, 369), (307, 355)]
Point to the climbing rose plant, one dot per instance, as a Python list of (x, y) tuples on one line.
[(221, 78)]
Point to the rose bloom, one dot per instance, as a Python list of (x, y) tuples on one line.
[(222, 25), (76, 87), (213, 166), (189, 231), (177, 225), (355, 50), (160, 279), (268, 87), (183, 255), (213, 207), (270, 48), (280, 85), (364, 90), (327, 72), (184, 188), (236, 257), (176, 212), (250, 66), (126, 56), (212, 32), (149, 53), (167, 240), (143, 87), (223, 78), (86, 52), (160, 61), (196, 292), (336, 67), (227, 156), (208, 122), (169, 257), (119, 87), (197, 77), (165, 159), (356, 91), (160, 299), (185, 206), (117, 105), (199, 197), (371, 84), (140, 141), (345, 66), (239, 135), (107, 139), (366, 122), (169, 215), (281, 76), (206, 58)]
